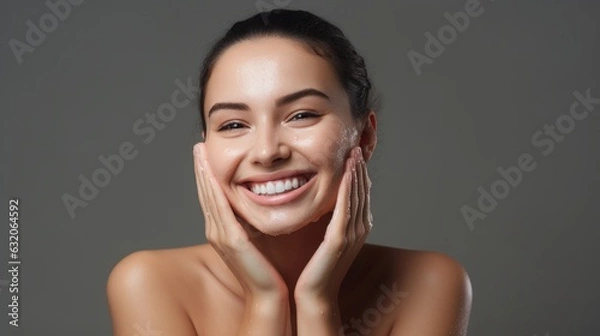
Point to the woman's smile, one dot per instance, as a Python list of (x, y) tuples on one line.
[(282, 191)]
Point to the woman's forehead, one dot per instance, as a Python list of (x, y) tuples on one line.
[(267, 67)]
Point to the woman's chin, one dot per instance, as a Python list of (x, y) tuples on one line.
[(277, 229), (278, 222)]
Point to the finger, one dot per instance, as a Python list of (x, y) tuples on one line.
[(355, 198), (359, 220), (200, 185), (367, 215), (341, 213), (210, 186), (207, 188)]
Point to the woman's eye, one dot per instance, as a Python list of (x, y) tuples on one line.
[(304, 115), (231, 126)]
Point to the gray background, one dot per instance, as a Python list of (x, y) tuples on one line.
[(532, 261)]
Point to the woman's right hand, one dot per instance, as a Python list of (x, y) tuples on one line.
[(232, 242)]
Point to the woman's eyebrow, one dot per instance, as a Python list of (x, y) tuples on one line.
[(279, 102)]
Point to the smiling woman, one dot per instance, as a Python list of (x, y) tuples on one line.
[(288, 123)]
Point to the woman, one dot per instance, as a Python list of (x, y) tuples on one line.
[(288, 125)]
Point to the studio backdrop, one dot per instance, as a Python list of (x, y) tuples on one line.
[(488, 148)]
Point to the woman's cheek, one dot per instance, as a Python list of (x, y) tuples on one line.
[(339, 148), (316, 148), (336, 151), (223, 161), (346, 136), (333, 141)]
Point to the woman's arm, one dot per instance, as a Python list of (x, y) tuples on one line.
[(440, 298), (266, 316), (140, 301), (316, 317)]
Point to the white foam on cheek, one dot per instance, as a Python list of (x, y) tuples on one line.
[(342, 145)]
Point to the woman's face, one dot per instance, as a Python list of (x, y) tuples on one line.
[(275, 112)]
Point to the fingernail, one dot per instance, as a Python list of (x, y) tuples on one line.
[(359, 155)]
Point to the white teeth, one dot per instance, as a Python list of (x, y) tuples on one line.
[(278, 187), (270, 188)]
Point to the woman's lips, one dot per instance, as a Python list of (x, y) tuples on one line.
[(282, 198)]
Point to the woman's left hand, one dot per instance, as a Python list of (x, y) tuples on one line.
[(350, 225)]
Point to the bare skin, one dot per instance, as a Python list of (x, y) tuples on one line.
[(295, 263), (190, 291)]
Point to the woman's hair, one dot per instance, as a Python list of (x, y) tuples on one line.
[(319, 36)]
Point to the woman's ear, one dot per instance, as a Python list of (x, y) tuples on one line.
[(368, 137)]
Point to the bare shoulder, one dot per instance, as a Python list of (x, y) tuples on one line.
[(146, 291), (442, 276), (439, 292), (418, 267), (412, 262), (433, 268)]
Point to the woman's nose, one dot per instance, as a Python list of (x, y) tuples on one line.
[(269, 146)]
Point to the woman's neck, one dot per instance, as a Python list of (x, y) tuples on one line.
[(289, 253)]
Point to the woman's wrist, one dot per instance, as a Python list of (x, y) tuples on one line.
[(318, 316), (274, 295), (316, 304), (267, 304), (324, 299), (266, 315)]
